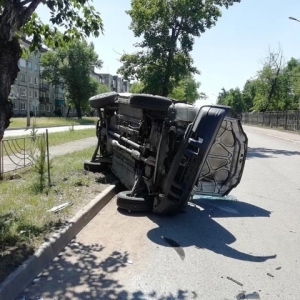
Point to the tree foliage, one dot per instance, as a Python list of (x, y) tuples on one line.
[(232, 98), (137, 87), (167, 29), (71, 66), (187, 89), (275, 87), (18, 18)]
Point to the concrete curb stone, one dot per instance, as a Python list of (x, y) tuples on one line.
[(16, 282)]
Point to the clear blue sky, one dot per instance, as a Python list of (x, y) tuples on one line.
[(228, 54)]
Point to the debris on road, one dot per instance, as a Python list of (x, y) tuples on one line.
[(269, 274), (60, 207), (278, 268), (176, 246), (243, 295), (36, 280), (235, 281)]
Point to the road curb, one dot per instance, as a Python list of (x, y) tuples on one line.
[(16, 282)]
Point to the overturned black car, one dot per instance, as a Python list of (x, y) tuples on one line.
[(164, 151)]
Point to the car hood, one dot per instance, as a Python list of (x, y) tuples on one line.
[(223, 168)]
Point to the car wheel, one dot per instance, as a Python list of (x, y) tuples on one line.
[(137, 204), (150, 102), (103, 100), (95, 167)]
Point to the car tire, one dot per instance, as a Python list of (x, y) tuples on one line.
[(103, 100), (150, 102), (95, 167), (135, 204)]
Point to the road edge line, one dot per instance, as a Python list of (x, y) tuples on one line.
[(17, 281)]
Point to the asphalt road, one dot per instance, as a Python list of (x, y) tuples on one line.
[(245, 249)]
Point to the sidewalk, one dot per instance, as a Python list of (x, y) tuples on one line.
[(279, 134), (58, 150), (51, 129)]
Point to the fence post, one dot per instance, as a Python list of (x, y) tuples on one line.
[(48, 162), (24, 153), (298, 117), (285, 125), (1, 161)]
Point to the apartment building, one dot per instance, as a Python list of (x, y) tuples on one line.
[(115, 83), (31, 92)]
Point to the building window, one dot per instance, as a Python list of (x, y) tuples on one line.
[(35, 67), (22, 63), (36, 94), (36, 81), (42, 107), (23, 92), (15, 105), (23, 106), (30, 79), (30, 93), (22, 77), (48, 108), (30, 65)]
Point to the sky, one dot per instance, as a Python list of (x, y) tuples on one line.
[(226, 55)]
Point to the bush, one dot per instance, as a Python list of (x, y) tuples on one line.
[(57, 113)]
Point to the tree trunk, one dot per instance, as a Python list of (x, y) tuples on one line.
[(68, 112), (165, 89), (78, 111), (10, 53)]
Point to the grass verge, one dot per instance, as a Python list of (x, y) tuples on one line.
[(24, 218), (56, 138), (52, 121)]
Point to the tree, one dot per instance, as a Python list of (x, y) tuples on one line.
[(72, 65), (18, 17), (273, 89), (222, 97), (137, 87), (101, 88), (232, 98), (167, 29), (187, 89), (249, 93)]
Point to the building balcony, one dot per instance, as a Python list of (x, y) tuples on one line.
[(59, 102), (44, 100), (44, 86)]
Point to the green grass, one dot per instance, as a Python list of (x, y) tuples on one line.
[(24, 220), (52, 121), (56, 138)]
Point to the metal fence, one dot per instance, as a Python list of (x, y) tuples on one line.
[(288, 120), (17, 153)]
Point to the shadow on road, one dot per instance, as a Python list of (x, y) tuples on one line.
[(269, 153), (196, 227), (79, 273)]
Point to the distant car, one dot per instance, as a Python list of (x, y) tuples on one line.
[(163, 150)]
